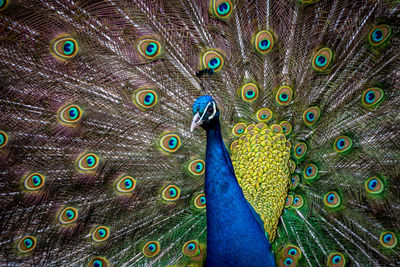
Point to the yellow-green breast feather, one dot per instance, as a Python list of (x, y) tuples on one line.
[(260, 158)]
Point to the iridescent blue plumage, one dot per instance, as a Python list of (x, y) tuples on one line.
[(235, 235)]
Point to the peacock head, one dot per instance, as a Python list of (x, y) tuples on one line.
[(204, 111)]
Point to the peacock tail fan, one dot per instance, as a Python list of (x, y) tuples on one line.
[(99, 167)]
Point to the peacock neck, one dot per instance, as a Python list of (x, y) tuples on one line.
[(234, 236)]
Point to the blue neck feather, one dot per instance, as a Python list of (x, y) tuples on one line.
[(234, 234)]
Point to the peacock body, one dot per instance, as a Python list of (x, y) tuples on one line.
[(298, 164)]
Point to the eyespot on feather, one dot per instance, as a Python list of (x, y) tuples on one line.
[(342, 144), (170, 142), (125, 185), (249, 92), (101, 234), (379, 34), (68, 215), (3, 5), (212, 60), (310, 171), (222, 9), (298, 202), (284, 95), (288, 201), (336, 259), (264, 42), (292, 250), (149, 48), (311, 115), (332, 199), (34, 181), (286, 127), (372, 97), (88, 162), (200, 201), (70, 114), (146, 98), (294, 180), (65, 47), (276, 128), (98, 262), (238, 129), (3, 139), (151, 249), (322, 59), (191, 248), (388, 239), (26, 244), (374, 185), (300, 151), (264, 115), (196, 167), (171, 193)]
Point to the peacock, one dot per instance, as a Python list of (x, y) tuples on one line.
[(200, 133)]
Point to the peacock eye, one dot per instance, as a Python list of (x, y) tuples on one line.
[(98, 262), (210, 109), (191, 248), (68, 215), (151, 249), (26, 244), (100, 234)]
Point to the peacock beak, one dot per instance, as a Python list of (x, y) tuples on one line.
[(195, 122)]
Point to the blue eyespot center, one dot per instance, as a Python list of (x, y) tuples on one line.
[(295, 200), (97, 263), (310, 116), (387, 237), (263, 116), (370, 97), (331, 198), (293, 180), (284, 96), (149, 99), (172, 142), (337, 259), (288, 261), (68, 47), (250, 94), (191, 246), (341, 143), (128, 183), (372, 184), (172, 192), (2, 139), (151, 49), (36, 180), (73, 113), (299, 150), (292, 252), (223, 8), (28, 243), (152, 247), (309, 170), (90, 161), (199, 167), (214, 63), (70, 214), (102, 232), (377, 35), (264, 44), (203, 200), (321, 61), (240, 131)]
